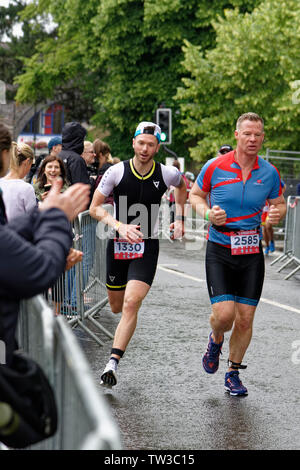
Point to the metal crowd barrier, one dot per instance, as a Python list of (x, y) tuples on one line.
[(80, 293), (291, 248), (195, 227), (84, 419)]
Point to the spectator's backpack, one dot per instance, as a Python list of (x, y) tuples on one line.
[(28, 412)]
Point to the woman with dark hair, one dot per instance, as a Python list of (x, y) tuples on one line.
[(102, 155), (51, 169), (104, 159)]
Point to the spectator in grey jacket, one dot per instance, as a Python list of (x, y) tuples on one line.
[(33, 247)]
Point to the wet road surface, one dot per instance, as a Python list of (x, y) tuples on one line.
[(164, 399)]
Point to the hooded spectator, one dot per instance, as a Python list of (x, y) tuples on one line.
[(73, 135)]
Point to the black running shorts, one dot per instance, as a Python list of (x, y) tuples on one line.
[(119, 272), (234, 277)]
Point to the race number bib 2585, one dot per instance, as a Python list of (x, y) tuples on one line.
[(125, 250), (245, 242)]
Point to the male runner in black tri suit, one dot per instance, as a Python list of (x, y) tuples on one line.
[(132, 252)]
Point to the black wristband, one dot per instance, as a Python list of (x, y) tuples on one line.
[(180, 217)]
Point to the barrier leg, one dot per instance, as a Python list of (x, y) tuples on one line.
[(279, 258), (284, 265), (292, 273), (90, 333), (104, 330)]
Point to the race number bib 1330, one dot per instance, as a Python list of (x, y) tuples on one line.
[(245, 242), (126, 250)]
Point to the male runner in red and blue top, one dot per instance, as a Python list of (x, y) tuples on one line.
[(236, 186)]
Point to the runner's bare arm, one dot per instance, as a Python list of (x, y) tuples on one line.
[(131, 233), (180, 197), (198, 200), (277, 209), (98, 212), (180, 200)]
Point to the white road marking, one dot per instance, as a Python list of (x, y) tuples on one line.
[(187, 276), (277, 304), (197, 279)]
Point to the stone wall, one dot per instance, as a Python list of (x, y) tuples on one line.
[(16, 116), (7, 116)]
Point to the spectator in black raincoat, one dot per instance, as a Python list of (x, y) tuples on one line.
[(73, 135)]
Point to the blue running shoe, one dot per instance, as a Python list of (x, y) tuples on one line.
[(272, 247), (233, 384), (267, 249), (210, 360)]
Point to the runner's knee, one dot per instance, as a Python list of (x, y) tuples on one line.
[(243, 323), (116, 301), (222, 317), (132, 303), (115, 307)]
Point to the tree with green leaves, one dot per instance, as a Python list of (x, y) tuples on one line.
[(56, 68), (253, 67), (16, 48), (124, 56)]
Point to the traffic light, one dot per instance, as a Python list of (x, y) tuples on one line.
[(164, 120)]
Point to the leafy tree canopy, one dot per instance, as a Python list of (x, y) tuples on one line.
[(254, 67), (123, 56), (16, 48)]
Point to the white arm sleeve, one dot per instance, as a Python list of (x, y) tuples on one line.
[(171, 175), (111, 178)]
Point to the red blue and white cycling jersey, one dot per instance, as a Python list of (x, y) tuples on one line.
[(221, 177)]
